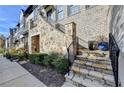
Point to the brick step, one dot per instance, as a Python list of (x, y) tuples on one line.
[(95, 60), (82, 81), (93, 75), (93, 66)]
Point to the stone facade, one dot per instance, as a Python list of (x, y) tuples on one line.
[(2, 42), (51, 39), (91, 24)]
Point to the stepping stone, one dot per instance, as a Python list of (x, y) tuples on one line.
[(103, 66), (84, 71), (89, 63), (77, 79), (75, 69), (89, 83), (109, 67), (109, 78), (96, 74), (23, 62)]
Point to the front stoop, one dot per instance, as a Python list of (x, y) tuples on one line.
[(88, 70)]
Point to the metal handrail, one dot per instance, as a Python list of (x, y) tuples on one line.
[(69, 61), (74, 43), (114, 54)]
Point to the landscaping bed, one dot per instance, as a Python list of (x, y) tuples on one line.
[(48, 76), (50, 69)]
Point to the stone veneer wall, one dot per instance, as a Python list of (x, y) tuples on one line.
[(2, 43), (90, 23), (51, 39)]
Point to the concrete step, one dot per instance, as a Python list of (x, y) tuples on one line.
[(93, 75)]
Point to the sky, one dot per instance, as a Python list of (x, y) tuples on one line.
[(9, 17)]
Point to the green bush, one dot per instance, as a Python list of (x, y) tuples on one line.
[(14, 56), (20, 57), (60, 64), (7, 55), (36, 58), (49, 59), (55, 61)]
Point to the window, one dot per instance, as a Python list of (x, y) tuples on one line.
[(89, 6), (73, 9), (35, 13), (49, 14), (60, 12)]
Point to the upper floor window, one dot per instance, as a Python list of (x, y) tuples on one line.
[(49, 15), (35, 13), (73, 9), (89, 6), (60, 12)]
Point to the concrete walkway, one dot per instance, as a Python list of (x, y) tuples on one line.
[(13, 75)]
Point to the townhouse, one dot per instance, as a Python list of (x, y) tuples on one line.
[(2, 41), (68, 30), (90, 24)]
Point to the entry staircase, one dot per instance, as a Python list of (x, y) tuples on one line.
[(91, 69)]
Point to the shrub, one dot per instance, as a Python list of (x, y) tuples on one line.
[(56, 61), (60, 64), (20, 57), (14, 56), (36, 58), (49, 59), (7, 55)]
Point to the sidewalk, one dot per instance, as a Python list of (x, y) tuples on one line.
[(13, 75)]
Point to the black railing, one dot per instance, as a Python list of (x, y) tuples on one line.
[(114, 54), (72, 51)]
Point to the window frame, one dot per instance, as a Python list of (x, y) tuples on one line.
[(59, 11), (70, 7)]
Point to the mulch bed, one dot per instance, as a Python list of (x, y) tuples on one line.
[(48, 76)]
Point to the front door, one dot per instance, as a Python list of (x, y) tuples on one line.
[(35, 44)]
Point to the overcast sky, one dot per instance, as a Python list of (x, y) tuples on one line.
[(9, 17)]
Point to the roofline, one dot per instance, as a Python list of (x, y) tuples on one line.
[(29, 10)]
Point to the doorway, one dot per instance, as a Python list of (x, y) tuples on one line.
[(35, 44)]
